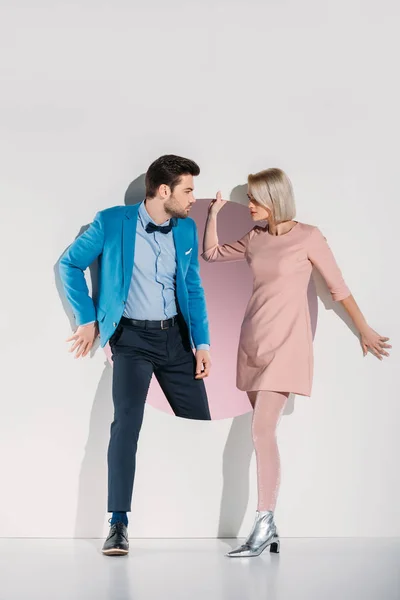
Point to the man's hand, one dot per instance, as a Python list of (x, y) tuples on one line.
[(203, 364), (83, 339)]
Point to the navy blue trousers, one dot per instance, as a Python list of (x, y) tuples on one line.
[(137, 354)]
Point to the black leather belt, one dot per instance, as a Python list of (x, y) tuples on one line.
[(150, 324)]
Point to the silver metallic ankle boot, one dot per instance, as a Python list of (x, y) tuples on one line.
[(263, 534)]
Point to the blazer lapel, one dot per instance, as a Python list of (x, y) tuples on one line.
[(128, 244), (177, 233)]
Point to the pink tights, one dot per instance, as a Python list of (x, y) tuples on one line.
[(268, 408)]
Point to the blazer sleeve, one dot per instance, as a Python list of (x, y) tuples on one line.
[(228, 252), (197, 301), (78, 256), (321, 256)]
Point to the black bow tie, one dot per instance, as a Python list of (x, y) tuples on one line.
[(150, 227)]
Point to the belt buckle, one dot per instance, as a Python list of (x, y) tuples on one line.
[(162, 324)]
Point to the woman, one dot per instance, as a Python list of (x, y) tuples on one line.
[(275, 354)]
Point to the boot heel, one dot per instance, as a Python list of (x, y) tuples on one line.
[(275, 547)]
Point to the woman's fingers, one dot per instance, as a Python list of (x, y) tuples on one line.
[(372, 341), (382, 345), (382, 351), (382, 342), (220, 200), (376, 352)]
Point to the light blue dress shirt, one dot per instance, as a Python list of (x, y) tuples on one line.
[(151, 293)]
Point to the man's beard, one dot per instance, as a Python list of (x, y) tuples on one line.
[(174, 209)]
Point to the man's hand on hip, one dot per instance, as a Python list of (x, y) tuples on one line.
[(203, 364), (83, 339)]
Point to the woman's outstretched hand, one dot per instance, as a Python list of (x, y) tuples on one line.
[(216, 205), (373, 342)]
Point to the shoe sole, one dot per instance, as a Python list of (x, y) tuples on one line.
[(115, 552), (274, 548)]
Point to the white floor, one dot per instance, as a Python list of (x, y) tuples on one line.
[(320, 569)]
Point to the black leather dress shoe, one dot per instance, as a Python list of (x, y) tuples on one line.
[(116, 543)]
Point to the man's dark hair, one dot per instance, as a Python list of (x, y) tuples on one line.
[(168, 170)]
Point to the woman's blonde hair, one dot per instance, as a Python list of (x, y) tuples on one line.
[(272, 188)]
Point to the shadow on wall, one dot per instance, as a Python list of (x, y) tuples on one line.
[(136, 191), (239, 447), (92, 490), (238, 452), (93, 475), (217, 280)]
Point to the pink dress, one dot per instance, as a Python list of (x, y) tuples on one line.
[(275, 347)]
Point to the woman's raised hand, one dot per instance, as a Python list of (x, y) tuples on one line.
[(216, 205)]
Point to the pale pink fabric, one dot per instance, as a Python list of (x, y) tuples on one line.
[(275, 347), (268, 409)]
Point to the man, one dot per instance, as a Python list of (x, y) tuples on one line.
[(151, 308)]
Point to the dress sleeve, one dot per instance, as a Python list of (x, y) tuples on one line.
[(228, 252), (321, 256)]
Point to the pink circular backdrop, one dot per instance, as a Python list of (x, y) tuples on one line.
[(227, 287)]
